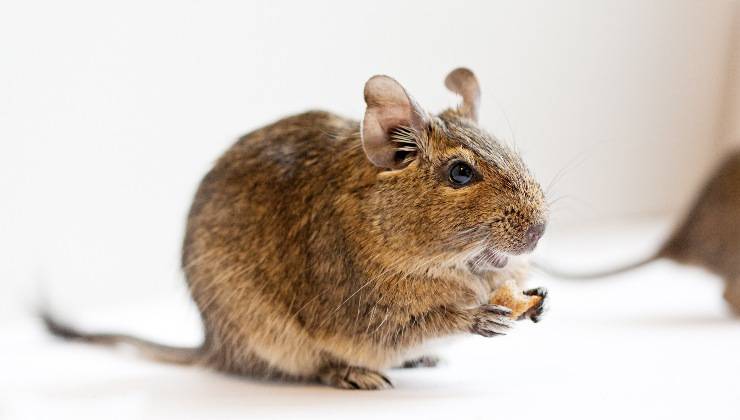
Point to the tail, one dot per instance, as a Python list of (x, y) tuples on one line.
[(149, 349), (555, 272)]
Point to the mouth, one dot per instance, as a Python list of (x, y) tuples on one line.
[(488, 259)]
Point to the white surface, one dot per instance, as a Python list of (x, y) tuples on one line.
[(656, 343), (110, 113)]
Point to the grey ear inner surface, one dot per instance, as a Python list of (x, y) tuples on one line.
[(388, 107), (463, 82)]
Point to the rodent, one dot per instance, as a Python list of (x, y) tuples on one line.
[(707, 237), (323, 249)]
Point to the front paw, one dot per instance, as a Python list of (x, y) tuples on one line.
[(536, 312), (490, 320)]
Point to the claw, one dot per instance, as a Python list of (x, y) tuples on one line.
[(496, 309), (535, 314), (354, 377), (491, 320), (538, 291)]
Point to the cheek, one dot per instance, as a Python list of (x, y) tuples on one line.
[(464, 208), (409, 208), (513, 218)]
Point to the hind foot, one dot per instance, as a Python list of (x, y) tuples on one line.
[(423, 362), (353, 377)]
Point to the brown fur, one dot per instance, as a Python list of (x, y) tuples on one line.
[(308, 262), (709, 236)]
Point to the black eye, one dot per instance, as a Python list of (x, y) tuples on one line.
[(461, 173)]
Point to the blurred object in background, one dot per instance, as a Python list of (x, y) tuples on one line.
[(110, 114)]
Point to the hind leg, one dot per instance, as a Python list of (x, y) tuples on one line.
[(732, 294)]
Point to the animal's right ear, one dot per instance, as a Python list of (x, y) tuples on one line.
[(392, 118)]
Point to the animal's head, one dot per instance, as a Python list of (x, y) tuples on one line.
[(450, 192)]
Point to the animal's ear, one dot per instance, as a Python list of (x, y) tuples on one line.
[(392, 118), (463, 82)]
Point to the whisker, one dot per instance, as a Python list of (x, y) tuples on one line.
[(578, 160)]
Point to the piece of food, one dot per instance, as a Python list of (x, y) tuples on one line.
[(511, 296)]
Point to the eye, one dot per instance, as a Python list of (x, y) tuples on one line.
[(461, 174)]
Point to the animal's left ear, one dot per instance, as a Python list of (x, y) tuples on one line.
[(392, 118), (463, 82)]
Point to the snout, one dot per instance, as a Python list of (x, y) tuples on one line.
[(533, 235)]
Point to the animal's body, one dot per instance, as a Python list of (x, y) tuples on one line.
[(320, 248)]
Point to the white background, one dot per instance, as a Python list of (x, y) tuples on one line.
[(111, 112)]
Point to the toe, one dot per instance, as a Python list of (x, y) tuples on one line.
[(538, 291), (354, 378), (368, 379)]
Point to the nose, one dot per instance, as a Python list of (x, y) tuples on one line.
[(534, 233)]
